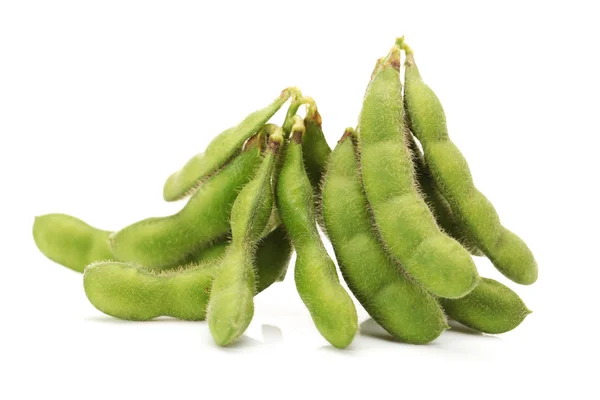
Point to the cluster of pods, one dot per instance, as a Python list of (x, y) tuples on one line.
[(395, 198)]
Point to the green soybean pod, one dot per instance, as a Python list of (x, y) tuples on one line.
[(231, 305), (329, 304), (125, 291), (315, 150), (509, 254), (403, 308), (159, 243), (220, 151), (436, 201), (404, 222), (69, 241), (74, 244), (490, 308)]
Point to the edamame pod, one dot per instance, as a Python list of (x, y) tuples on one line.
[(69, 241), (436, 201), (315, 150), (125, 291), (404, 222), (231, 305), (330, 306), (162, 242), (74, 244), (490, 308), (509, 254), (219, 151), (400, 306)]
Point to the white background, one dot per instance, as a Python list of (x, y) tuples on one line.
[(101, 101)]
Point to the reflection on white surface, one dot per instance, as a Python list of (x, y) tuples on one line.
[(372, 329), (458, 327), (271, 333)]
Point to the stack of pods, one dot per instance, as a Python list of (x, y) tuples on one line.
[(395, 198)]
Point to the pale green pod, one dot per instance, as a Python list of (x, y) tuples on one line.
[(70, 241), (160, 243), (403, 220), (231, 305), (509, 254), (490, 308), (74, 244), (399, 305), (330, 306), (436, 201), (219, 151), (125, 291)]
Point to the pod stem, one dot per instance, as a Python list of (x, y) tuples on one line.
[(408, 51), (298, 129), (312, 111), (291, 91), (297, 101), (275, 139)]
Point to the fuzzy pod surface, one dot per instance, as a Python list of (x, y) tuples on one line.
[(490, 308), (403, 308), (219, 151), (315, 149), (125, 291), (404, 222), (69, 241), (330, 306), (166, 241), (231, 305), (437, 202), (509, 253)]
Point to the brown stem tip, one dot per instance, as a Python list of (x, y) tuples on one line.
[(348, 133), (297, 137), (393, 58), (276, 140)]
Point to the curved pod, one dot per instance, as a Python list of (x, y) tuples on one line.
[(403, 220), (400, 306)]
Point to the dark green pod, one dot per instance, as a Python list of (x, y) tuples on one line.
[(315, 150)]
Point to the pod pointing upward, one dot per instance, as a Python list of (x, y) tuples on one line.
[(450, 170), (405, 224)]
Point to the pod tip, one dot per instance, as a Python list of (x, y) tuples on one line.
[(348, 133), (400, 41), (393, 58)]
